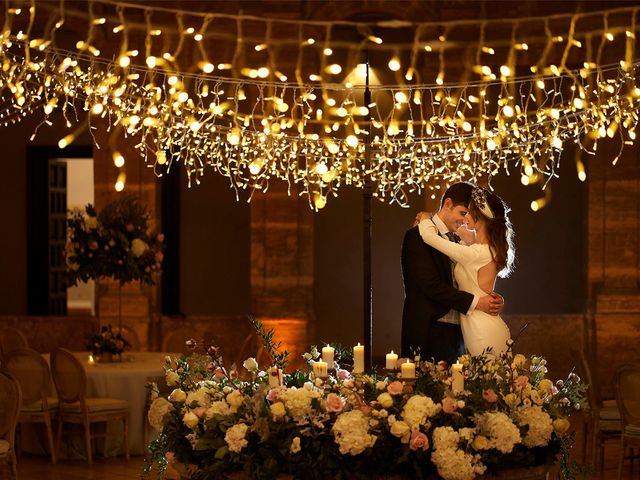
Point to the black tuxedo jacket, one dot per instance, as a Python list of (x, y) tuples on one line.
[(429, 295)]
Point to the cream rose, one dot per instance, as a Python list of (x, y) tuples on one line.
[(401, 430), (277, 410), (190, 419), (385, 400), (172, 378), (178, 395)]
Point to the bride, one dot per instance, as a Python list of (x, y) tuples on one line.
[(487, 252)]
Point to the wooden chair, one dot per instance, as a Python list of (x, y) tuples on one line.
[(10, 401), (604, 417), (627, 383), (32, 372), (75, 407), (130, 336)]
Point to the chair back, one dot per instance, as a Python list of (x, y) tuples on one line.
[(12, 339), (10, 402), (31, 371), (130, 336), (69, 376), (628, 393)]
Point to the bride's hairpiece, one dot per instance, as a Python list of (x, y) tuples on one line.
[(479, 197)]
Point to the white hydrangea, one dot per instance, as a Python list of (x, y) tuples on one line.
[(351, 432), (236, 437), (298, 401), (159, 408), (501, 432), (218, 408), (452, 462), (199, 396), (417, 409), (540, 426)]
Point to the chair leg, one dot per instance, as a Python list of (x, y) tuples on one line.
[(126, 437), (621, 458), (13, 473), (47, 424), (87, 440), (59, 435)]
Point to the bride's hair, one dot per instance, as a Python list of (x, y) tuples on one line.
[(499, 229)]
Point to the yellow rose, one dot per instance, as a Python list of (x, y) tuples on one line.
[(511, 400), (277, 410), (480, 443), (385, 400), (561, 425), (518, 361), (178, 396), (401, 430), (545, 386), (172, 378), (295, 445), (190, 419), (235, 399)]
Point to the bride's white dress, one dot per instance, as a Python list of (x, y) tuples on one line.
[(479, 330)]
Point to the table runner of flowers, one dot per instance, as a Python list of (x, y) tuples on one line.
[(509, 415)]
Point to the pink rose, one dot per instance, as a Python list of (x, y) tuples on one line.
[(219, 373), (366, 409), (272, 396), (521, 382), (489, 395), (395, 388), (449, 405), (342, 374), (199, 411), (554, 390), (93, 245), (418, 440), (334, 403), (159, 256), (170, 457), (129, 227), (160, 237)]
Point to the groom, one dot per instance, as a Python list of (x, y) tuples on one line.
[(432, 304)]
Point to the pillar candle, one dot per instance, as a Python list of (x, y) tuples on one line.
[(392, 358), (327, 356), (408, 370), (91, 360), (358, 358), (275, 377), (320, 369), (457, 378)]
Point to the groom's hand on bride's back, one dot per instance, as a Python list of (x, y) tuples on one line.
[(421, 216), (491, 304)]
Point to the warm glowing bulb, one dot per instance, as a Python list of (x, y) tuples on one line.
[(333, 69), (578, 103), (609, 36), (535, 206), (508, 111), (401, 97), (352, 141), (207, 67), (327, 51), (118, 159), (233, 137), (97, 108), (161, 157), (491, 144), (528, 170), (151, 61), (66, 141), (505, 71), (394, 64), (183, 97), (321, 168), (524, 180), (172, 80), (119, 186), (556, 143), (319, 201), (124, 61), (263, 72), (255, 167), (195, 126)]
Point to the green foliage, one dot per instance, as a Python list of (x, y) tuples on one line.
[(280, 359)]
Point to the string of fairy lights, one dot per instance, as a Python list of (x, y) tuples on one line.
[(236, 112)]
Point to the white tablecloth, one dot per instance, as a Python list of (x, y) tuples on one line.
[(124, 380)]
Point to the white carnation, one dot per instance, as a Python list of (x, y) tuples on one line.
[(540, 426), (417, 409), (218, 408), (158, 410), (200, 397), (502, 434), (351, 432), (235, 437)]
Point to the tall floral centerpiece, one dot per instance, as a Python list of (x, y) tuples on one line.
[(114, 243)]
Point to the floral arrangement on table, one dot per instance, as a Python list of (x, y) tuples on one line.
[(107, 342), (507, 414), (116, 243)]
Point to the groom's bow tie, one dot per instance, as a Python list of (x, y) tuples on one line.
[(453, 237)]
